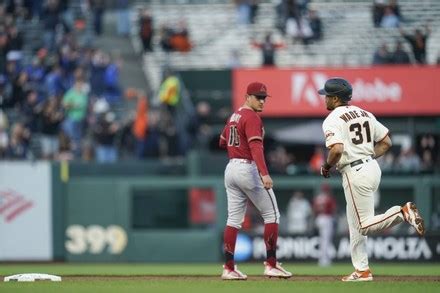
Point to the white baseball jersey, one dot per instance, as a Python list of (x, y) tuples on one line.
[(356, 129)]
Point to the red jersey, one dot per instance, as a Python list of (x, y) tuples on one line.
[(324, 204), (242, 127)]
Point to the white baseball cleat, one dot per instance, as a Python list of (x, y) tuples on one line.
[(232, 274), (412, 216), (276, 272), (358, 276)]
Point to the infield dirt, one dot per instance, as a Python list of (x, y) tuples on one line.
[(296, 278)]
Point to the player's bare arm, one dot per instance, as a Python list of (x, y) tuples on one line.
[(382, 147), (334, 155)]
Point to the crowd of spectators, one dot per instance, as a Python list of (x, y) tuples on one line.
[(47, 104), (298, 22), (61, 103), (421, 157)]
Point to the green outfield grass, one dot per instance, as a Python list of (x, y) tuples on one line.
[(206, 284)]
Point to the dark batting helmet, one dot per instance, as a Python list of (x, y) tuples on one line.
[(337, 87)]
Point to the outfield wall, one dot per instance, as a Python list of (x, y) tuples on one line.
[(120, 213)]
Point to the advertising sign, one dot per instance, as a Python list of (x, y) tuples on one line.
[(25, 211), (391, 91), (305, 248)]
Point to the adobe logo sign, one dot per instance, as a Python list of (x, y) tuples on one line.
[(376, 91), (305, 85)]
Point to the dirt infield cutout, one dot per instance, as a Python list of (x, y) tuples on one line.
[(295, 278)]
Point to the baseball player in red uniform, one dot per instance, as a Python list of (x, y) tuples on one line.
[(324, 207), (247, 177), (355, 139)]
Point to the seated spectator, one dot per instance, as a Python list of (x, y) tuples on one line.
[(180, 40), (51, 16), (165, 33), (6, 98), (146, 30), (317, 160), (382, 55), (378, 12), (234, 59), (15, 39), (418, 43), (65, 152), (200, 128), (387, 162), (4, 138), (243, 9), (280, 161), (408, 161), (400, 56), (395, 8), (112, 91), (428, 151), (19, 88), (4, 49), (389, 19), (50, 120), (30, 110), (315, 25), (18, 147), (299, 29), (104, 131)]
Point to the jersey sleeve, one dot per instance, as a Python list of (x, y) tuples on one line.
[(254, 128), (222, 138), (332, 132), (380, 131)]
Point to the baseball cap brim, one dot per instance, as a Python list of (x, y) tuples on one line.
[(261, 95), (323, 92)]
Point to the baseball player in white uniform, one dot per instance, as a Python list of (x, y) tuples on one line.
[(355, 139)]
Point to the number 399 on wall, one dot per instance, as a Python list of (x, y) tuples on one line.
[(94, 239)]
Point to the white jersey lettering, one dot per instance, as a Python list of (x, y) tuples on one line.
[(356, 129)]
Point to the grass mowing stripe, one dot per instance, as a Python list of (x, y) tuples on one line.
[(416, 269), (217, 286)]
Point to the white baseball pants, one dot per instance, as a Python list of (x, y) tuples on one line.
[(360, 182), (242, 181)]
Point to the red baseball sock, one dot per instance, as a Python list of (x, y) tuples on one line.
[(230, 238), (270, 239)]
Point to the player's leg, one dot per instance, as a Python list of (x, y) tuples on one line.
[(358, 247), (362, 184), (265, 201), (358, 242), (236, 211), (325, 227)]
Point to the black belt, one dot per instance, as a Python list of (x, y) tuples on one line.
[(361, 161)]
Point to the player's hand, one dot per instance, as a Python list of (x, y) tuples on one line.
[(325, 170), (267, 181)]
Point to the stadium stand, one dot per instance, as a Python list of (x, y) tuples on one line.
[(349, 35)]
